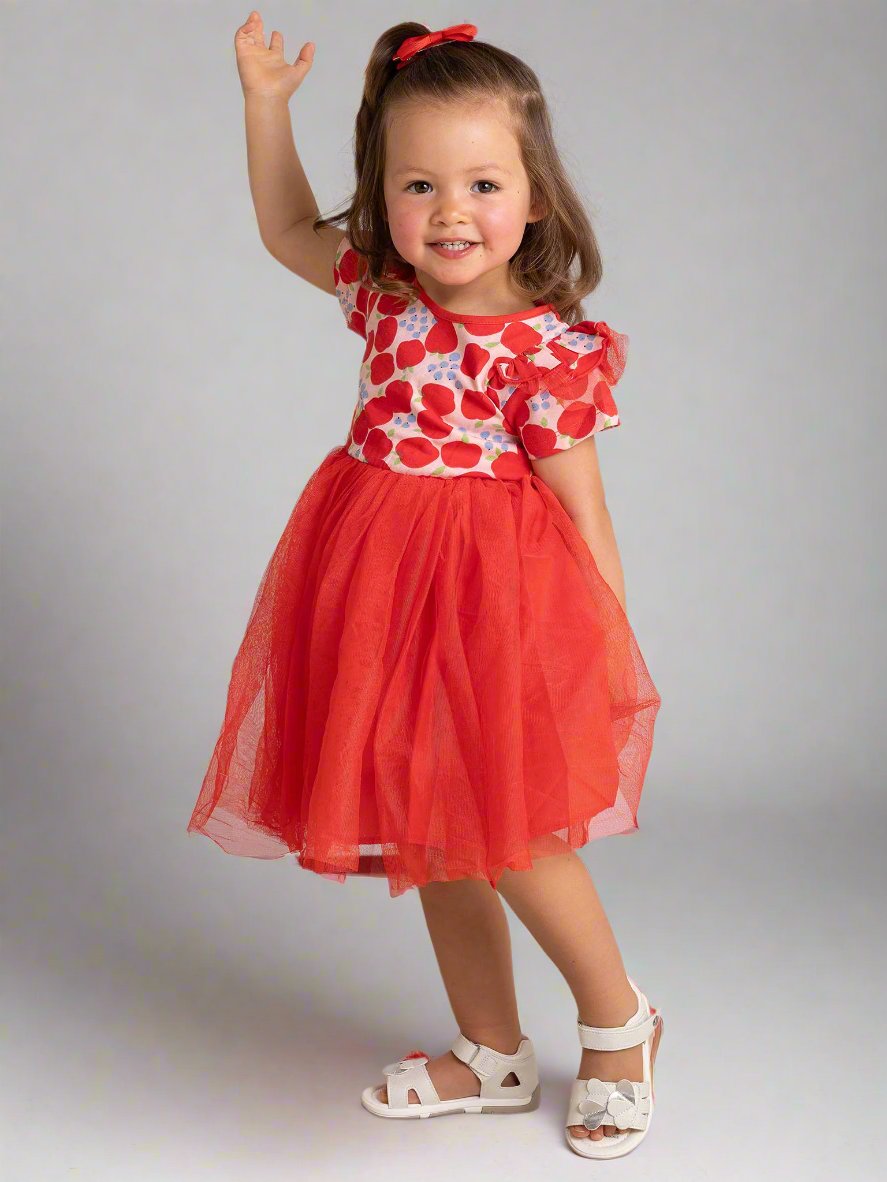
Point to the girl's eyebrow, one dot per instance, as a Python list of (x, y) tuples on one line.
[(474, 168)]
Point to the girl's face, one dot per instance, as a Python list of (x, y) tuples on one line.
[(457, 173)]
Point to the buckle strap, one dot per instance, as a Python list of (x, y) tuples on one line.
[(482, 1060), (615, 1038)]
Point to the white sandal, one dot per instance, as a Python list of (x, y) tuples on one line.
[(625, 1104), (490, 1066)]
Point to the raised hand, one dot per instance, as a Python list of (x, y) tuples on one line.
[(262, 68)]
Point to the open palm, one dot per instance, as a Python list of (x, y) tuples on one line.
[(262, 68)]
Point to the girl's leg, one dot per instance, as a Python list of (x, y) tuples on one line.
[(472, 942), (558, 903)]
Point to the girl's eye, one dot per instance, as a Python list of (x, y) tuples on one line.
[(492, 183)]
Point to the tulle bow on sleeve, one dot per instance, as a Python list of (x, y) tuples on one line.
[(518, 371), (578, 369), (555, 365)]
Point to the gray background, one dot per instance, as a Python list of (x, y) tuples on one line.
[(173, 1011)]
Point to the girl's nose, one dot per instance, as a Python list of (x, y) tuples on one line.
[(449, 212)]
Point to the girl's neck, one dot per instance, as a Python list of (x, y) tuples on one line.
[(476, 299)]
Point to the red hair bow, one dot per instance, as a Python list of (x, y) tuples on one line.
[(414, 45)]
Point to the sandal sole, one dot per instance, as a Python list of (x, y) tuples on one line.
[(476, 1109)]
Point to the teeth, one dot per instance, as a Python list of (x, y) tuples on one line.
[(453, 245)]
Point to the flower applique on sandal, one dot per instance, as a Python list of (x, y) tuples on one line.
[(623, 1103), (491, 1067)]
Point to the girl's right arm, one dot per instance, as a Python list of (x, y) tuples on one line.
[(283, 199)]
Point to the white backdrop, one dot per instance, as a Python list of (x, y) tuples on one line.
[(168, 389)]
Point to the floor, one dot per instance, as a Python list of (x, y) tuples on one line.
[(171, 1016)]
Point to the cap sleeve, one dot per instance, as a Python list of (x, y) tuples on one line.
[(352, 295), (563, 389)]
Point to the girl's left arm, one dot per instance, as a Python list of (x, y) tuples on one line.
[(574, 476)]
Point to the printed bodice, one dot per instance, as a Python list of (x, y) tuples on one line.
[(448, 394)]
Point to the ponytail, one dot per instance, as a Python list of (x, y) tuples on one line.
[(380, 69)]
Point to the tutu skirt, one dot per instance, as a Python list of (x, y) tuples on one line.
[(435, 683)]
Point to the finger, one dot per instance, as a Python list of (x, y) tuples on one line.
[(252, 29), (276, 42), (306, 55), (251, 21)]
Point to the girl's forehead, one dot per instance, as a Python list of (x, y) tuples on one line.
[(469, 137)]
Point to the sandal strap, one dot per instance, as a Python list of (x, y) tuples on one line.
[(615, 1038), (483, 1060), (409, 1077)]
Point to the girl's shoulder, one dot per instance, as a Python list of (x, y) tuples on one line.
[(356, 298), (559, 391)]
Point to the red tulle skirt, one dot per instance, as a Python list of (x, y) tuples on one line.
[(435, 683)]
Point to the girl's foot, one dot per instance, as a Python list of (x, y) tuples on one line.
[(612, 1065), (452, 1078)]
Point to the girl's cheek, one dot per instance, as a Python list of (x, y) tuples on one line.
[(504, 221), (407, 229), (407, 233)]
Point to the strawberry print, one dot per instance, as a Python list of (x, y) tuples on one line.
[(474, 359), (449, 394), (409, 353), (381, 368), (442, 338), (385, 332)]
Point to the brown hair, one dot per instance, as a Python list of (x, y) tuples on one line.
[(470, 71)]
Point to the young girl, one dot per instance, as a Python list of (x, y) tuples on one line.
[(438, 682)]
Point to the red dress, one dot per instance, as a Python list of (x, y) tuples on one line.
[(435, 681)]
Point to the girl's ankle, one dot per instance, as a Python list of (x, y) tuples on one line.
[(610, 1011), (505, 1044)]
